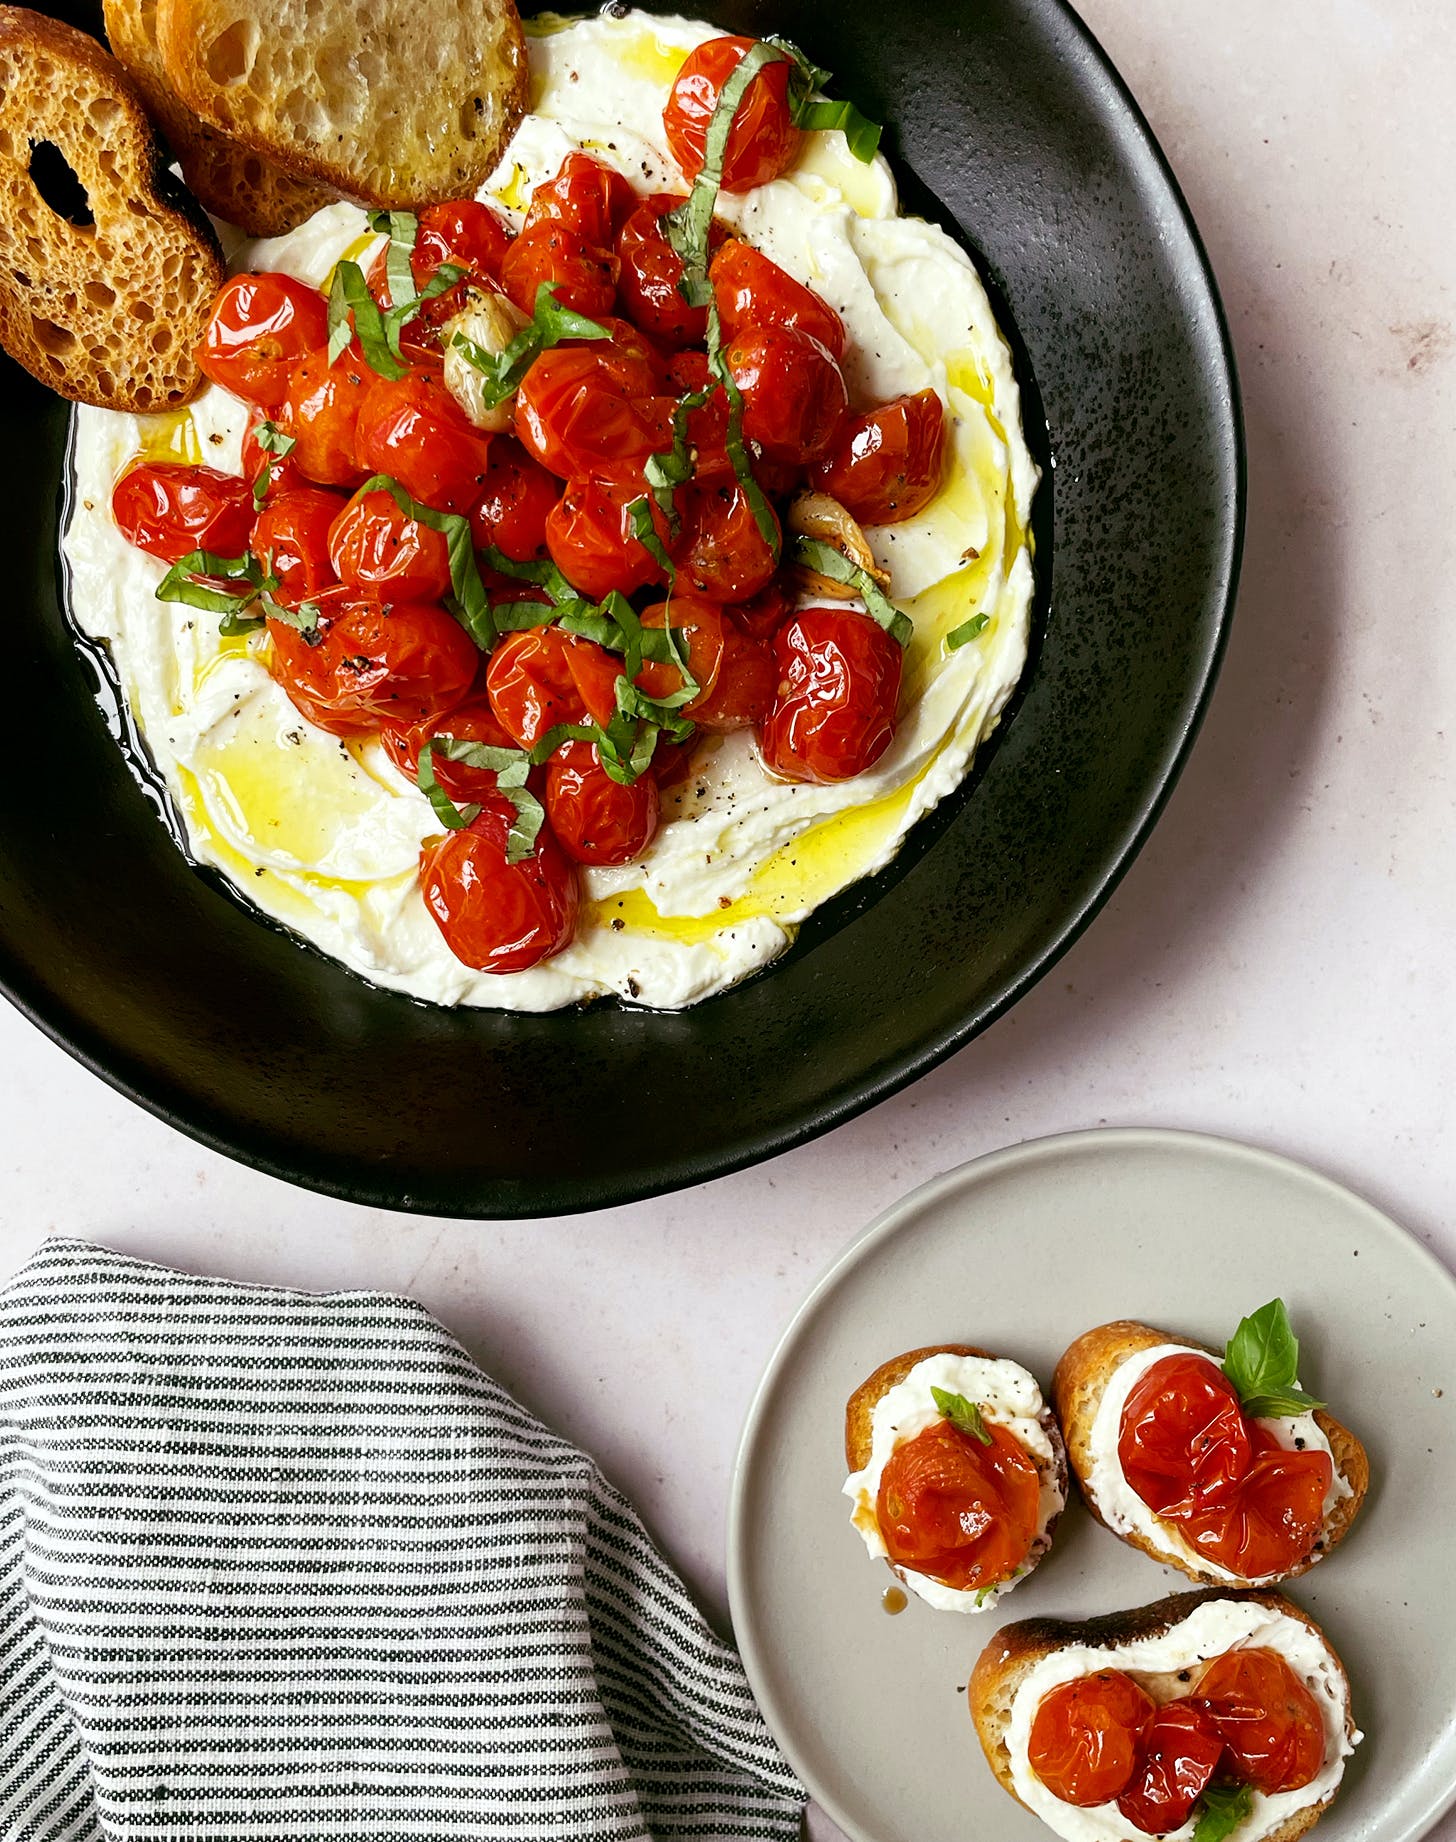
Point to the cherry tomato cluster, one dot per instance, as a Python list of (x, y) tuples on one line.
[(958, 1508), (384, 655), (1247, 1720), (1195, 1458)]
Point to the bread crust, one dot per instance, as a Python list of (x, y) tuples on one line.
[(859, 1429), (230, 180), (401, 138), (1016, 1648), (106, 312), (1078, 1385)]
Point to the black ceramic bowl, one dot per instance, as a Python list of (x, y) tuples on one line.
[(1008, 125)]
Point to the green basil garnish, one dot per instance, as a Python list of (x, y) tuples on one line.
[(468, 601), (1221, 1809), (510, 767), (964, 1415), (1262, 1361), (860, 132), (966, 632), (548, 326), (275, 444), (828, 561), (192, 582)]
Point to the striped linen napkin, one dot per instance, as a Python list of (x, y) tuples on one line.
[(283, 1565)]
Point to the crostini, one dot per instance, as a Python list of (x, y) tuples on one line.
[(1226, 1470), (958, 1473), (1206, 1716)]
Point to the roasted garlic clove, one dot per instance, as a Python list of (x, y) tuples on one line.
[(816, 515), (490, 322)]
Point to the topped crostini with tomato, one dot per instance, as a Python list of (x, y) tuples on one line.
[(622, 533)]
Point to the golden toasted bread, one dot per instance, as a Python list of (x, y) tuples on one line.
[(389, 101), (232, 181), (104, 291), (1077, 1389), (1012, 1653)]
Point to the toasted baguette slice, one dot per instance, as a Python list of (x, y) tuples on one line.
[(390, 101), (859, 1434), (106, 311), (1015, 1650), (232, 181), (1077, 1389)]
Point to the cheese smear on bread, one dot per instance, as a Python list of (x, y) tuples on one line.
[(324, 836), (1005, 1393), (1124, 1510), (1209, 1630)]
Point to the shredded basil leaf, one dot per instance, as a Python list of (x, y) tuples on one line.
[(665, 472), (862, 134), (1262, 1362), (181, 582), (468, 601), (510, 767), (354, 312), (966, 632), (401, 227), (549, 326), (763, 514), (643, 529), (275, 444), (964, 1415), (828, 561), (1221, 1809)]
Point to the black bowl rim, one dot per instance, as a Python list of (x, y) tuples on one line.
[(855, 1095)]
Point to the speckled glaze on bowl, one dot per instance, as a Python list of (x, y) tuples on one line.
[(1009, 126)]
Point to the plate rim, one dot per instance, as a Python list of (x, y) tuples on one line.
[(902, 1213)]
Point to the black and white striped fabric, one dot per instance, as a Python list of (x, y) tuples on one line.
[(278, 1565)]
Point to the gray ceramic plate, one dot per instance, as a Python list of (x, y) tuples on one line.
[(1020, 1252)]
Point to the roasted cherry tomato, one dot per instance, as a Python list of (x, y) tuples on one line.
[(1265, 1716), (376, 667), (753, 291), (472, 721), (461, 231), (587, 196), (170, 510), (743, 692), (277, 473), (514, 503), (838, 689), (259, 327), (585, 273), (593, 541), (291, 540), (375, 545), (650, 272), (887, 464), (572, 416), (763, 141), (321, 413), (1086, 1737), (719, 550), (1273, 1519), (495, 915), (629, 355), (1180, 1753), (963, 1512), (793, 393), (543, 677), (1183, 1442), (699, 629), (763, 615), (595, 818), (412, 429)]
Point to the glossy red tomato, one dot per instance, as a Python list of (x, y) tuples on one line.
[(592, 539), (499, 916), (699, 628), (1265, 1716), (514, 503), (743, 692), (259, 327), (572, 415), (543, 677), (376, 667), (412, 429), (587, 196), (472, 721), (753, 291), (651, 270), (291, 540), (719, 550), (1273, 1519), (629, 354), (1180, 1754), (963, 1512), (170, 510), (887, 464), (283, 472), (838, 689), (763, 141), (794, 397), (1182, 1441), (460, 231), (1086, 1736), (595, 818), (375, 545), (585, 273), (321, 413)]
